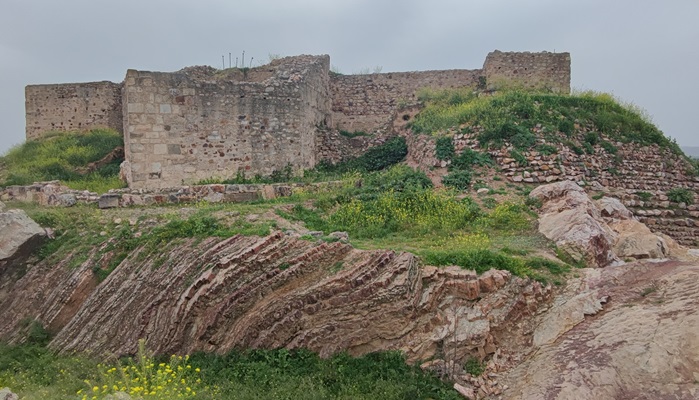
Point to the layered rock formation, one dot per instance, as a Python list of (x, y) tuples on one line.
[(272, 292)]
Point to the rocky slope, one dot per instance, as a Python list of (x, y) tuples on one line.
[(643, 342), (272, 292)]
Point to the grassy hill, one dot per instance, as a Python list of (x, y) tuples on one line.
[(72, 158), (380, 203)]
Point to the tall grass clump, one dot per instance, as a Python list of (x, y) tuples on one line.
[(412, 210), (64, 157)]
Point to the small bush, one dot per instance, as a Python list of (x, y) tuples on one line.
[(610, 148), (474, 367), (681, 195), (375, 159), (353, 134), (459, 180), (546, 149), (444, 149), (468, 158), (566, 126), (519, 157), (644, 196), (592, 138)]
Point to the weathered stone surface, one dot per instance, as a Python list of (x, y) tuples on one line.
[(19, 236), (571, 220), (67, 199), (643, 346), (6, 394), (636, 240), (2, 206), (109, 201), (271, 292), (613, 208)]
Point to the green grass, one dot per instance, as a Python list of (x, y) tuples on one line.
[(35, 372), (63, 156), (511, 115)]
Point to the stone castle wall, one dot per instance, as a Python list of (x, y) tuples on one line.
[(367, 102), (182, 128), (72, 107), (202, 123), (641, 179), (550, 71)]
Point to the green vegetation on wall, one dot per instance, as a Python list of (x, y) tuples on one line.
[(512, 115)]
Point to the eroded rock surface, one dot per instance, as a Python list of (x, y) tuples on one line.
[(599, 233), (643, 344), (19, 236), (271, 292)]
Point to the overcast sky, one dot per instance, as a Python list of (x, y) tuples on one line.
[(643, 51)]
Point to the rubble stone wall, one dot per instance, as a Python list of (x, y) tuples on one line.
[(72, 107), (550, 71), (367, 102), (181, 129)]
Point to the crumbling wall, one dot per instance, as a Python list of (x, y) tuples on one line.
[(367, 102), (184, 127), (72, 107), (549, 71)]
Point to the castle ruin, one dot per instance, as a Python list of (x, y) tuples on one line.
[(198, 123)]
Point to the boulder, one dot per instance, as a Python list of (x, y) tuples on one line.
[(19, 236), (613, 208), (6, 394), (571, 220), (2, 206), (67, 200), (635, 240), (109, 201)]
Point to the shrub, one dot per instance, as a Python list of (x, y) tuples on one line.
[(146, 378), (610, 148), (444, 149), (644, 196), (566, 126), (375, 159), (546, 149), (468, 158), (519, 157), (474, 367), (681, 195), (459, 180)]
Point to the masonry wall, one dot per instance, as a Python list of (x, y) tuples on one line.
[(182, 128), (368, 102), (550, 71), (72, 107)]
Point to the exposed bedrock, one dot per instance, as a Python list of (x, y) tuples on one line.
[(273, 292)]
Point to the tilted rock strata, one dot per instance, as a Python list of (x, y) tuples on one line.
[(273, 292)]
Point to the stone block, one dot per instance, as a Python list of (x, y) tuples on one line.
[(241, 197), (109, 201)]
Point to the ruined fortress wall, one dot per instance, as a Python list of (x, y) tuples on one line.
[(367, 102), (72, 107), (543, 70), (182, 129)]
